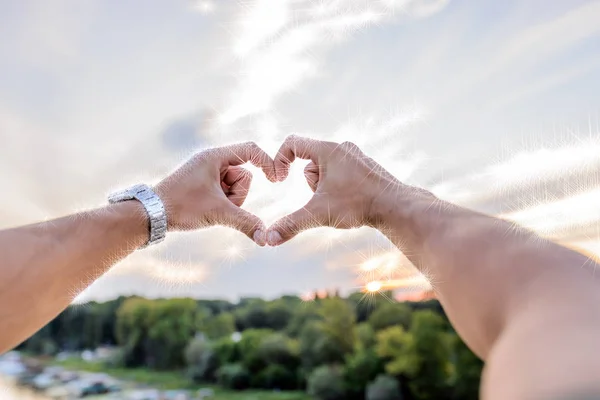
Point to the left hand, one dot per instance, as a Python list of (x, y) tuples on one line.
[(345, 183), (209, 189)]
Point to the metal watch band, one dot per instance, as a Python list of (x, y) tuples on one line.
[(154, 206)]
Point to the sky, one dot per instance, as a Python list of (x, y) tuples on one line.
[(491, 105)]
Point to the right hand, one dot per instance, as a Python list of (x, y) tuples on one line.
[(345, 183), (211, 187)]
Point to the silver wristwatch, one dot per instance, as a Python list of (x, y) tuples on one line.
[(154, 208)]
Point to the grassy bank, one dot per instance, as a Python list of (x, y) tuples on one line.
[(175, 380)]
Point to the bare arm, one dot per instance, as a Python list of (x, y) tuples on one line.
[(526, 305), (44, 266)]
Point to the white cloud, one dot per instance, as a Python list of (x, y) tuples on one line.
[(261, 20), (281, 42), (98, 124), (510, 58), (559, 218)]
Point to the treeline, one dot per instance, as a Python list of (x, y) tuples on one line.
[(334, 348)]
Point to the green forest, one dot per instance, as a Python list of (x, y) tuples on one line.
[(359, 347)]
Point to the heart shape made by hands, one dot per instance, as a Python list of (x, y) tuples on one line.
[(271, 201), (345, 183)]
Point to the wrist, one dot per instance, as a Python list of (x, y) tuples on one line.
[(171, 207), (132, 218), (398, 207)]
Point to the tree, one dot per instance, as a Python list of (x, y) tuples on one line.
[(99, 323), (249, 349), (422, 355), (301, 317), (226, 350), (338, 323), (364, 304), (315, 345), (390, 314), (361, 368), (253, 315), (215, 307), (431, 346), (172, 324), (233, 376), (155, 333), (384, 387), (467, 371), (216, 327), (41, 343), (279, 315), (329, 350), (202, 361), (131, 329), (276, 377), (395, 347), (92, 328), (365, 336), (326, 383), (319, 348), (309, 353), (279, 349), (69, 327)]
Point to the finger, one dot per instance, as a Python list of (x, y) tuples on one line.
[(239, 180), (297, 147), (228, 177), (291, 225), (233, 174), (311, 173), (242, 153), (245, 222)]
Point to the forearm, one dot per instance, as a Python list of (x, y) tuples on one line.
[(44, 266), (483, 269), (504, 288)]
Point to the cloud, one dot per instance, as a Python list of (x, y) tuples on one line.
[(271, 46), (185, 135), (421, 86), (48, 36), (562, 218), (517, 57), (279, 43), (421, 8), (553, 189), (261, 21)]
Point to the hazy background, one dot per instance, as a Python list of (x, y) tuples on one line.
[(490, 104)]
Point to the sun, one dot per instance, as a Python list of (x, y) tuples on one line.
[(374, 286)]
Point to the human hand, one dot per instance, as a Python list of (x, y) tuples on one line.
[(345, 183), (209, 189)]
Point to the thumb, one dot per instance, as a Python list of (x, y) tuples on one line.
[(291, 225), (245, 222)]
